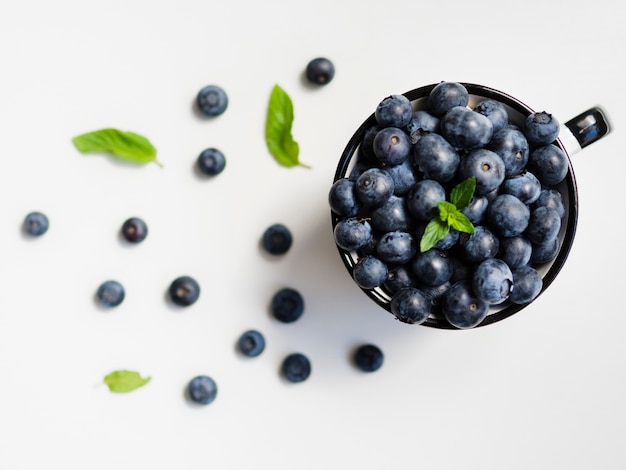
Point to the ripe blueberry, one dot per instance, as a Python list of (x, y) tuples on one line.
[(410, 305), (211, 162), (287, 305), (370, 272), (277, 239), (212, 100), (110, 293), (134, 230), (36, 224), (394, 111), (184, 291), (368, 357), (251, 343), (296, 367), (202, 390), (462, 308), (320, 71)]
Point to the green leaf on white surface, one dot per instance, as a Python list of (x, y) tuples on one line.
[(124, 381), (125, 145)]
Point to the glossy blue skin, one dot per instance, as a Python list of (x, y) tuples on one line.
[(421, 124), (445, 96), (391, 146), (277, 239), (549, 164), (524, 186), (342, 198), (110, 294), (423, 197), (184, 291), (374, 187), (512, 147), (461, 308), (486, 166), (545, 253), (432, 268), (436, 158), (353, 233), (396, 247), (398, 277), (495, 112), (515, 251), (35, 224), (287, 305), (476, 210), (550, 198), (507, 215), (480, 245), (410, 305), (251, 343), (391, 216), (492, 281), (369, 272), (404, 177), (394, 111), (543, 226), (202, 390), (528, 284), (296, 367), (366, 149), (320, 71), (368, 358), (211, 162), (541, 128), (466, 129), (134, 230), (212, 100)]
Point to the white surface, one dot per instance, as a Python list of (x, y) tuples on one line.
[(542, 390)]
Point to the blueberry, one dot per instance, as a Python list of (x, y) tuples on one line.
[(447, 242), (549, 164), (212, 100), (342, 198), (211, 162), (486, 166), (541, 128), (251, 343), (369, 272), (394, 111), (436, 158), (296, 367), (550, 198), (110, 293), (515, 251), (492, 281), (423, 120), (353, 233), (524, 186), (423, 199), (512, 147), (507, 215), (461, 308), (374, 187), (287, 305), (446, 95), (403, 176), (398, 277), (527, 285), (391, 146), (396, 247), (277, 239), (480, 245), (391, 216), (184, 291), (432, 268), (202, 390), (546, 252), (368, 358), (35, 224), (320, 71), (466, 129), (476, 210), (410, 305), (543, 226), (134, 230), (366, 149), (495, 112)]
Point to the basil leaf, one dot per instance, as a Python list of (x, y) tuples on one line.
[(125, 145), (278, 125), (460, 222), (462, 194), (435, 230), (123, 381)]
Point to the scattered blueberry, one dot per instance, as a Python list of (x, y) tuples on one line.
[(296, 367), (110, 293), (212, 100), (36, 224), (184, 291), (202, 390), (287, 305), (320, 71), (251, 343), (134, 230), (211, 162), (368, 358), (277, 239)]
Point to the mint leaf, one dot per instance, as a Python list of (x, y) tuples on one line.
[(125, 145), (459, 221), (278, 125), (446, 210), (435, 230), (123, 381), (462, 194)]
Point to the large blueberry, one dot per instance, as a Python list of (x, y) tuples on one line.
[(492, 281), (446, 95), (549, 164), (423, 199), (368, 357), (399, 277), (184, 291), (296, 367), (515, 251), (524, 186), (466, 129), (410, 305), (320, 71), (391, 216), (550, 198), (342, 198), (486, 166), (277, 239), (212, 100), (462, 308), (507, 215), (479, 245), (394, 110), (546, 252), (436, 158), (35, 224), (421, 124), (432, 268), (541, 128), (391, 146), (369, 272), (396, 247), (374, 187), (202, 390), (353, 233), (527, 284), (134, 230), (404, 177), (476, 210), (287, 305), (495, 112), (512, 147), (211, 161), (543, 226)]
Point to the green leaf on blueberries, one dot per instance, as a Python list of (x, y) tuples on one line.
[(278, 125), (126, 145), (435, 230), (446, 211), (459, 221), (462, 194), (123, 381)]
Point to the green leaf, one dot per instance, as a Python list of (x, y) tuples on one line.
[(462, 194), (125, 145), (435, 230), (446, 210), (459, 221), (278, 125), (123, 381)]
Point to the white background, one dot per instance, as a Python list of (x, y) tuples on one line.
[(542, 390)]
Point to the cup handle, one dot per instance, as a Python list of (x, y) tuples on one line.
[(585, 129)]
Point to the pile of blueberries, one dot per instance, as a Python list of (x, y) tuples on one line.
[(407, 162)]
